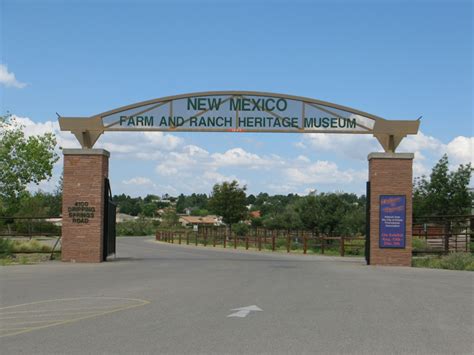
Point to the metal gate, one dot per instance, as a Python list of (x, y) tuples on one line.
[(109, 223), (367, 224)]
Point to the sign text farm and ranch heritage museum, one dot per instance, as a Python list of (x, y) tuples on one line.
[(234, 113)]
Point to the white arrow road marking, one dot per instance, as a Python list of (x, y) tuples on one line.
[(243, 312)]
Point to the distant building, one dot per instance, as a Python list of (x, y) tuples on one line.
[(122, 217), (255, 214), (55, 221), (210, 220)]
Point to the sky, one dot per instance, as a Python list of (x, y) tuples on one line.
[(394, 59)]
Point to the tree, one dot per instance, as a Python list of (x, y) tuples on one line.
[(288, 219), (229, 201), (241, 229), (23, 160), (251, 199), (309, 210), (445, 192), (169, 218)]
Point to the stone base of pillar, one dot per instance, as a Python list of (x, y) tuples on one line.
[(391, 186), (85, 171)]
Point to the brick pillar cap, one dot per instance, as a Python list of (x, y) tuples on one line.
[(86, 152), (407, 156)]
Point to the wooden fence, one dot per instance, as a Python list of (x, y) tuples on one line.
[(265, 239)]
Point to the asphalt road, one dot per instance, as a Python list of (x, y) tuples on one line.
[(161, 298)]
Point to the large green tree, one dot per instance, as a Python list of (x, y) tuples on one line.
[(445, 192), (23, 160), (229, 201)]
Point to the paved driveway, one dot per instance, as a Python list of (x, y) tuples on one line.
[(161, 298)]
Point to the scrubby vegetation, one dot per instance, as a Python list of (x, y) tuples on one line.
[(454, 261), (419, 244), (23, 251), (137, 227)]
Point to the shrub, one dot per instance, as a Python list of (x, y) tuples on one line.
[(31, 246), (137, 227), (5, 247), (454, 261), (27, 227), (241, 229), (419, 244)]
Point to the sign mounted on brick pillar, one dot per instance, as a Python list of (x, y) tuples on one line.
[(390, 176), (85, 171)]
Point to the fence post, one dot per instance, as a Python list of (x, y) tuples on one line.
[(187, 238), (304, 244), (225, 239), (172, 237), (205, 237), (29, 229), (288, 243), (446, 237), (322, 244), (213, 238), (341, 245), (196, 238), (246, 242), (273, 241), (235, 240), (179, 238)]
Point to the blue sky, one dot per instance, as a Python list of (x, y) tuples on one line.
[(395, 59)]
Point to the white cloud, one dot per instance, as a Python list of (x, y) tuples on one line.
[(215, 177), (162, 140), (415, 143), (8, 79), (240, 157), (303, 159), (355, 146), (323, 172), (138, 180), (461, 150)]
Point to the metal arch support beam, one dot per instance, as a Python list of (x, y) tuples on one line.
[(86, 129), (389, 133), (87, 139)]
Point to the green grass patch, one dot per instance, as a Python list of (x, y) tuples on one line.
[(30, 246), (454, 261)]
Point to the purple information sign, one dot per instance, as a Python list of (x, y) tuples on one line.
[(392, 221)]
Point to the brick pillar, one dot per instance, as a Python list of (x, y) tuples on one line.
[(390, 175), (85, 171)]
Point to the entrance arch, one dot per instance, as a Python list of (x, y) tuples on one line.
[(390, 173)]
